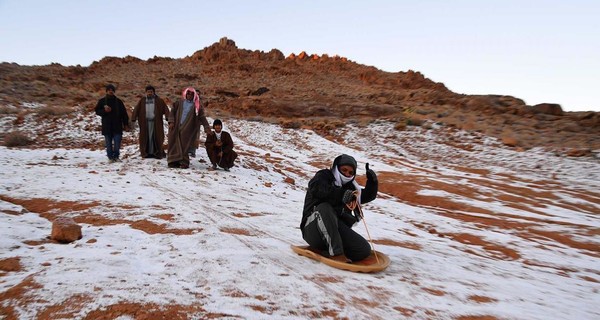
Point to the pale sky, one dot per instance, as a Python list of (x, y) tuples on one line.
[(539, 51)]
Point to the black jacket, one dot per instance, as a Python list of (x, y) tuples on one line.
[(321, 188), (113, 121)]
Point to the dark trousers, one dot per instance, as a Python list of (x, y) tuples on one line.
[(325, 232), (113, 145)]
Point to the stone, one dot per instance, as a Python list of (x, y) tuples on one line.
[(303, 55), (548, 108), (509, 141), (65, 230), (10, 264), (579, 152)]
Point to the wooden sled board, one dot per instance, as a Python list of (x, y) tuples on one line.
[(367, 265)]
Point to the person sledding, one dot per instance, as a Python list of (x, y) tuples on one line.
[(332, 207)]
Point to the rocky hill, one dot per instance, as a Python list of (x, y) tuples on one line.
[(301, 90), (476, 227)]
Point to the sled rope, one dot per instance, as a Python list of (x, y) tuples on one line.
[(368, 234)]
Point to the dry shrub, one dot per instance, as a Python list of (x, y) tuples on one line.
[(271, 120), (16, 139), (8, 110), (291, 124), (338, 123), (245, 67), (414, 122), (256, 119), (423, 112), (54, 111), (319, 125), (20, 118), (400, 126)]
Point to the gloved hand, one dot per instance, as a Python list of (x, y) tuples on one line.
[(370, 173), (348, 197), (348, 217)]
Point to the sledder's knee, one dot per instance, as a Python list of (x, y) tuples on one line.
[(358, 249), (326, 210), (358, 255), (363, 253)]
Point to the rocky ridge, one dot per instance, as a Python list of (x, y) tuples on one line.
[(472, 223), (319, 92)]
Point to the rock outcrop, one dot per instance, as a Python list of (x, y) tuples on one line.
[(300, 88)]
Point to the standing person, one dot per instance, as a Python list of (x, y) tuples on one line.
[(331, 209), (114, 120), (150, 110), (194, 146), (219, 147), (184, 122)]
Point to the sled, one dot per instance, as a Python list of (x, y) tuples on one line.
[(367, 265)]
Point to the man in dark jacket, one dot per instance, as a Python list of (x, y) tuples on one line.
[(114, 120), (331, 208)]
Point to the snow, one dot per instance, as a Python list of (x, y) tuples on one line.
[(235, 257)]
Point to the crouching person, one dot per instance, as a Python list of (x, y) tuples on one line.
[(331, 209), (219, 147)]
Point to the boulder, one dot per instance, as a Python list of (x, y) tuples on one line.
[(302, 56), (275, 55), (509, 141), (548, 108), (579, 152), (225, 42), (65, 230), (259, 91), (10, 264)]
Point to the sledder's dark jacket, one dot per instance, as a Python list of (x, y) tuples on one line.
[(321, 188)]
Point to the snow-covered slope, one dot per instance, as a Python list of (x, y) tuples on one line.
[(474, 230)]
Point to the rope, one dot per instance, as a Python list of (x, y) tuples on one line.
[(368, 234)]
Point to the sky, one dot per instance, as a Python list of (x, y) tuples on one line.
[(539, 51), (233, 255)]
